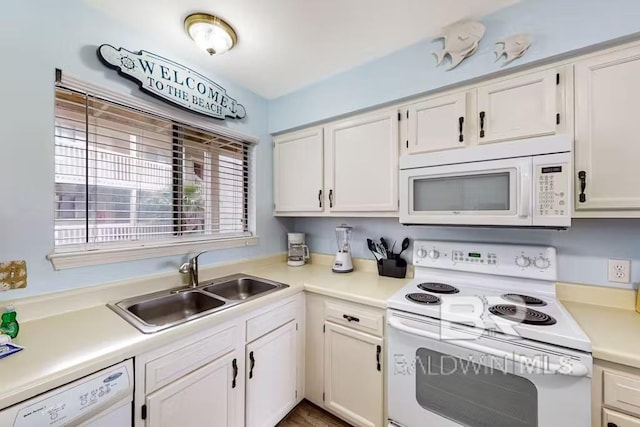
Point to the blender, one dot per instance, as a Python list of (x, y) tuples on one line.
[(342, 263)]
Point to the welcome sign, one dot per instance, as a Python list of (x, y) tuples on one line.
[(172, 82)]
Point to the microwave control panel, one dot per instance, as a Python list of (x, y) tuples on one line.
[(552, 189)]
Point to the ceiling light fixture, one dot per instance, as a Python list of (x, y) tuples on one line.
[(210, 33)]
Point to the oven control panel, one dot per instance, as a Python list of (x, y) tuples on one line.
[(536, 262)]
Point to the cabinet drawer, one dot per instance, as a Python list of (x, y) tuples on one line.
[(267, 322), (355, 317), (166, 369), (622, 392), (616, 419)]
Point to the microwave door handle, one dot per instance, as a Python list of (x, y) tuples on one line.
[(525, 191), (577, 369)]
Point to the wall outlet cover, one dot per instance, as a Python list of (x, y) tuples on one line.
[(619, 271), (13, 275)]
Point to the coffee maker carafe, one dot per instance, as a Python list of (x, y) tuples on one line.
[(297, 251)]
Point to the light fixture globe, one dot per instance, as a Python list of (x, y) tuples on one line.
[(210, 33)]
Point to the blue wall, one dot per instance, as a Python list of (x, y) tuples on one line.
[(583, 249), (558, 27), (35, 38)]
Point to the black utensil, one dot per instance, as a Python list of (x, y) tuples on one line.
[(405, 246)]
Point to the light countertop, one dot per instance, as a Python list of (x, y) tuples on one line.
[(66, 346), (609, 319), (62, 347)]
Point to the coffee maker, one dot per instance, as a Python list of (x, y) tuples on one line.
[(297, 251)]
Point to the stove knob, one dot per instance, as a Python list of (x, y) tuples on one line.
[(421, 253), (523, 261), (434, 254), (542, 262)]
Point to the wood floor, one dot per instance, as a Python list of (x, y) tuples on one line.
[(306, 414)]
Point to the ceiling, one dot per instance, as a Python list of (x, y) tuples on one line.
[(285, 45)]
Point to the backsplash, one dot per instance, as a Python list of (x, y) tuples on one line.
[(583, 249)]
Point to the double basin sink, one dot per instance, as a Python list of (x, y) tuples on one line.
[(160, 310)]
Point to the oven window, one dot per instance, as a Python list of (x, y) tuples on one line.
[(473, 394), (482, 192)]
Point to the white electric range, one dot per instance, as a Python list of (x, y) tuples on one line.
[(478, 338)]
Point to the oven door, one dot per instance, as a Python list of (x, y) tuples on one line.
[(450, 376), (497, 192)]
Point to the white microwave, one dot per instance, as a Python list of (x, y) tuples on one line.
[(525, 183)]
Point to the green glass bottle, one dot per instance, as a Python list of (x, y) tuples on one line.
[(9, 324)]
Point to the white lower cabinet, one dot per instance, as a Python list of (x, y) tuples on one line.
[(615, 395), (244, 372), (271, 376), (344, 359), (353, 375), (205, 397)]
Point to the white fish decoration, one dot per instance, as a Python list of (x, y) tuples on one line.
[(513, 47), (460, 40)]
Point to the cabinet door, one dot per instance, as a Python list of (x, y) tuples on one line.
[(206, 397), (617, 419), (353, 375), (362, 163), (298, 171), (607, 130), (521, 107), (271, 377), (438, 124)]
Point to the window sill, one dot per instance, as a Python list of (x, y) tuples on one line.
[(75, 259)]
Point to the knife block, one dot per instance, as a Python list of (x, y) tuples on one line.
[(396, 267)]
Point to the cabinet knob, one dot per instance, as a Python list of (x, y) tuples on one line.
[(320, 198), (234, 365), (331, 198), (482, 115), (460, 124)]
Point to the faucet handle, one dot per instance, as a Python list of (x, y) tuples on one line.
[(185, 268)]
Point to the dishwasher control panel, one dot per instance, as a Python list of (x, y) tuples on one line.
[(77, 401)]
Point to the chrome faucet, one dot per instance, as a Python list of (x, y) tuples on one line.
[(191, 268)]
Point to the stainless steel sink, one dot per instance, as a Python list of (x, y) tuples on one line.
[(160, 310), (241, 288), (174, 307)]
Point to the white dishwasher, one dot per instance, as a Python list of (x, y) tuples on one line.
[(102, 399)]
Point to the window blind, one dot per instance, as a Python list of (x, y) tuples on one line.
[(125, 177)]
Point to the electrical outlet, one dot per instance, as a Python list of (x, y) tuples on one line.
[(619, 271), (13, 275)]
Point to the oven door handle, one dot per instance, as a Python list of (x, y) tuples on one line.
[(575, 369)]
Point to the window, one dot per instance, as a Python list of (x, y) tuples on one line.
[(126, 178)]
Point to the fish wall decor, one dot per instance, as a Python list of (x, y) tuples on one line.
[(460, 41), (513, 47)]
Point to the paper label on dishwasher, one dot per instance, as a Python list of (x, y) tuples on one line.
[(58, 408)]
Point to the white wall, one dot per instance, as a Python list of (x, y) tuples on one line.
[(36, 37)]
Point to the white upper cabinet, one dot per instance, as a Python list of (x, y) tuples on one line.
[(271, 376), (519, 107), (436, 124), (607, 132), (362, 163), (298, 171)]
